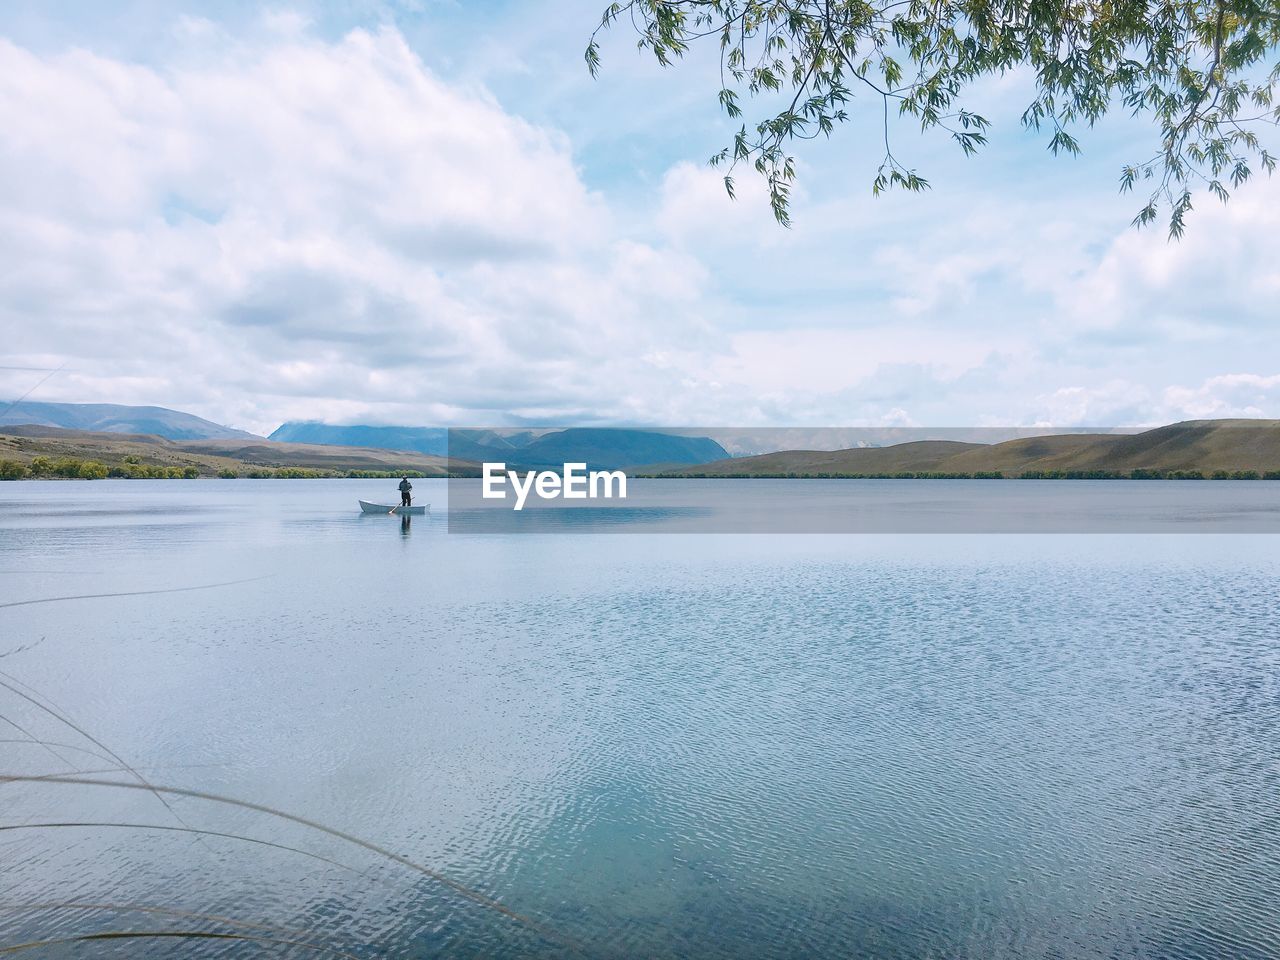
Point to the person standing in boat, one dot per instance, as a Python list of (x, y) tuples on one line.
[(406, 492)]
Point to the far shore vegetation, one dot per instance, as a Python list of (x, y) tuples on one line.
[(46, 468), (992, 475), (987, 475), (66, 468)]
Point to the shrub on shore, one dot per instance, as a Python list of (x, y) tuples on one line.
[(142, 471), (1072, 475), (1151, 474), (13, 470), (383, 474)]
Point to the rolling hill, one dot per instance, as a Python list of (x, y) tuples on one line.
[(209, 457), (911, 457), (1199, 446), (612, 449), (1206, 446), (602, 448), (116, 418), (433, 440)]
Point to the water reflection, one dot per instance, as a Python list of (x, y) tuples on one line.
[(960, 747)]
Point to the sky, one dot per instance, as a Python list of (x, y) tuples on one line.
[(430, 214)]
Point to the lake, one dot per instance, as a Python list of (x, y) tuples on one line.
[(700, 745)]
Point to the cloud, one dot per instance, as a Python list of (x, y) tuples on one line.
[(1219, 279), (695, 208), (1125, 403), (260, 224), (1228, 395), (1115, 403)]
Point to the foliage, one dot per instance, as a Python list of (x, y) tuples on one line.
[(934, 475), (1152, 474), (143, 471), (66, 467), (131, 468), (1073, 475), (385, 474), (1137, 474), (1201, 71)]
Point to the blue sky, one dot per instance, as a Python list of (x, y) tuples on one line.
[(429, 213)]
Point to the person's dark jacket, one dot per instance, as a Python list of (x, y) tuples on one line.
[(405, 485)]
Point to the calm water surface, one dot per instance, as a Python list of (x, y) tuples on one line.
[(643, 746)]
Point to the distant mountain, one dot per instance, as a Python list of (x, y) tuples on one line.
[(115, 418), (912, 457), (432, 440), (612, 449), (241, 456), (1206, 446), (599, 448)]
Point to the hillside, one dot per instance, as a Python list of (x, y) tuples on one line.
[(1203, 446), (915, 456), (1207, 446), (433, 440), (602, 448), (612, 449), (209, 457), (116, 418)]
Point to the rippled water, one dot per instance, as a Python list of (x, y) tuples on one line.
[(711, 746)]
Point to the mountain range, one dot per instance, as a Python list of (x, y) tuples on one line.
[(600, 448), (609, 449), (117, 418), (238, 456), (1207, 446), (159, 435)]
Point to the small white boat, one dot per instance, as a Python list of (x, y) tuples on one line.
[(387, 509)]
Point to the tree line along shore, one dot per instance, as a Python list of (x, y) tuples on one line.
[(130, 468), (1191, 450), (46, 453), (44, 468), (1139, 474)]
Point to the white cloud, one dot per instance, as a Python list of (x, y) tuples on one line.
[(1229, 395), (1125, 403), (1220, 277), (1115, 403), (253, 233), (263, 226), (695, 208)]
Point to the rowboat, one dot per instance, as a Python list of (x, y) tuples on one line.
[(386, 508)]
